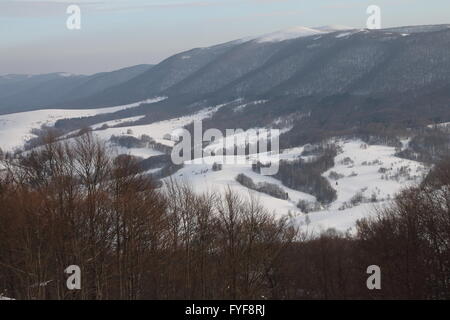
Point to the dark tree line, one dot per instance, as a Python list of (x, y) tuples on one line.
[(268, 188), (306, 176), (71, 204), (429, 145), (409, 240)]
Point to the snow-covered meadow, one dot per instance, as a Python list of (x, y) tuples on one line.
[(15, 128), (364, 176), (368, 177)]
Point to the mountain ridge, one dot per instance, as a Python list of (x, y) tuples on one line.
[(335, 61)]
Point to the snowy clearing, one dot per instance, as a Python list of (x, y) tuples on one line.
[(367, 177), (15, 128), (157, 130)]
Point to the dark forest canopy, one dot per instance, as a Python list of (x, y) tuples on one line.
[(73, 204)]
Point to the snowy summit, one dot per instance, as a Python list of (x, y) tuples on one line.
[(299, 32)]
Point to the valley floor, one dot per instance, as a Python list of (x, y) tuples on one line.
[(364, 176)]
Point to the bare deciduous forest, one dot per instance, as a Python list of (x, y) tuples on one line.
[(72, 204)]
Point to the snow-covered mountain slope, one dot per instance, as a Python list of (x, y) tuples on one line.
[(113, 123), (240, 139), (162, 132), (317, 62), (288, 34), (144, 153), (15, 128), (298, 32), (333, 28), (157, 130), (419, 28)]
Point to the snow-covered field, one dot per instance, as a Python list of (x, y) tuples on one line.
[(157, 130), (113, 123), (361, 167), (137, 152), (363, 176), (15, 128), (371, 171), (203, 179), (372, 174), (241, 138)]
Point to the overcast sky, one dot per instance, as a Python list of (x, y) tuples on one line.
[(119, 33)]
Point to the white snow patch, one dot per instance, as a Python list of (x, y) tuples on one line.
[(363, 172), (239, 138), (144, 153), (333, 28), (241, 107), (343, 221), (342, 35), (15, 128), (116, 122), (288, 34), (362, 175), (439, 125), (66, 74), (293, 33), (158, 130)]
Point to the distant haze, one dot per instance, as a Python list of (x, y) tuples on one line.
[(120, 33)]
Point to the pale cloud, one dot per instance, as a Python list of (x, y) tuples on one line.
[(38, 8), (130, 6), (29, 8), (258, 15)]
